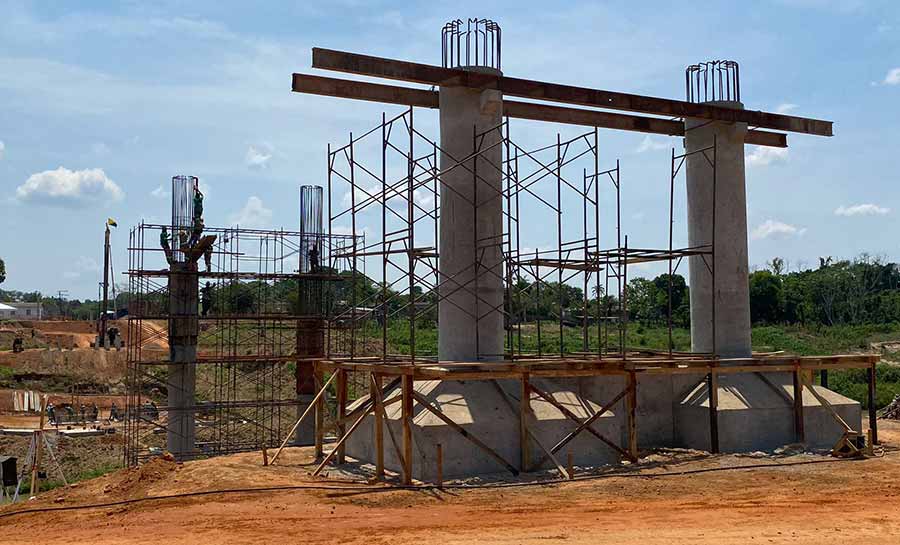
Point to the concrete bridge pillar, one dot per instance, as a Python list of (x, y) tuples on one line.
[(727, 206), (470, 319), (181, 382)]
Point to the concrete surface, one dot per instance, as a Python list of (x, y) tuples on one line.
[(732, 303), (467, 230), (181, 380)]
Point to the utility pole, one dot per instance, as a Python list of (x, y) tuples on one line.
[(105, 304)]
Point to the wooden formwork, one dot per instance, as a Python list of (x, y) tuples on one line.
[(386, 374)]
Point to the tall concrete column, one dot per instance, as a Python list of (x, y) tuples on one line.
[(181, 382), (471, 226), (310, 343), (732, 297)]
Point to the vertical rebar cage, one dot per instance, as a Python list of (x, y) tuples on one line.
[(471, 43), (713, 81), (183, 189), (310, 227)]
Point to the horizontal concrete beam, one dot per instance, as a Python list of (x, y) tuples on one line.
[(366, 65), (391, 94)]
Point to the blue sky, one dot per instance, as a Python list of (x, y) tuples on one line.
[(103, 103)]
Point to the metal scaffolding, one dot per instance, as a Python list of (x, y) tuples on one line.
[(258, 297)]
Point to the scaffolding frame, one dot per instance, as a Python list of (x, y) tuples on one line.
[(404, 198), (251, 321)]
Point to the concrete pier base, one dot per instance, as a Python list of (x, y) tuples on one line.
[(672, 411), (754, 416)]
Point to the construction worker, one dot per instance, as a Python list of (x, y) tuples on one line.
[(95, 412), (198, 204), (314, 258), (83, 413), (207, 256), (51, 413), (182, 238), (196, 231), (206, 298), (164, 239), (114, 412), (17, 345)]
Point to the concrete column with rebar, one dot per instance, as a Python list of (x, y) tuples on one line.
[(181, 382), (470, 319), (717, 217)]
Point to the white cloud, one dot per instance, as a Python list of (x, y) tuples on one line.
[(892, 77), (861, 210), (257, 158), (761, 156), (64, 187), (785, 108), (649, 144), (774, 227), (253, 215), (2, 149), (82, 264), (161, 192)]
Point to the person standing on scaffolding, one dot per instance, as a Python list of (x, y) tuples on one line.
[(314, 258), (197, 229), (164, 239)]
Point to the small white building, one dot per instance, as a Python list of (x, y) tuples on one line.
[(21, 311)]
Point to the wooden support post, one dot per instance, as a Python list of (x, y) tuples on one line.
[(406, 416), (712, 385), (378, 428), (798, 405), (524, 418), (265, 454), (873, 414), (570, 467), (823, 377), (440, 467), (320, 412), (341, 412), (340, 443), (632, 415)]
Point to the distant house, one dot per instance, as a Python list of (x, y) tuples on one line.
[(21, 311)]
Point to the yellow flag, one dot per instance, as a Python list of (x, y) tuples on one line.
[(111, 222)]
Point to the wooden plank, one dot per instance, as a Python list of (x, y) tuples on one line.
[(366, 65), (713, 391), (407, 96), (524, 417), (529, 434), (378, 424), (632, 417), (873, 415), (462, 431), (565, 440), (312, 406), (407, 394), (320, 414), (340, 445), (573, 417), (827, 405), (341, 386), (798, 407)]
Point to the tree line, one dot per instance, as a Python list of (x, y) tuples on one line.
[(864, 290)]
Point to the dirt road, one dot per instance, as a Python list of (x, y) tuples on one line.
[(796, 499)]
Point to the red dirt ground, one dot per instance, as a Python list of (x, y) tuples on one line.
[(826, 501)]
